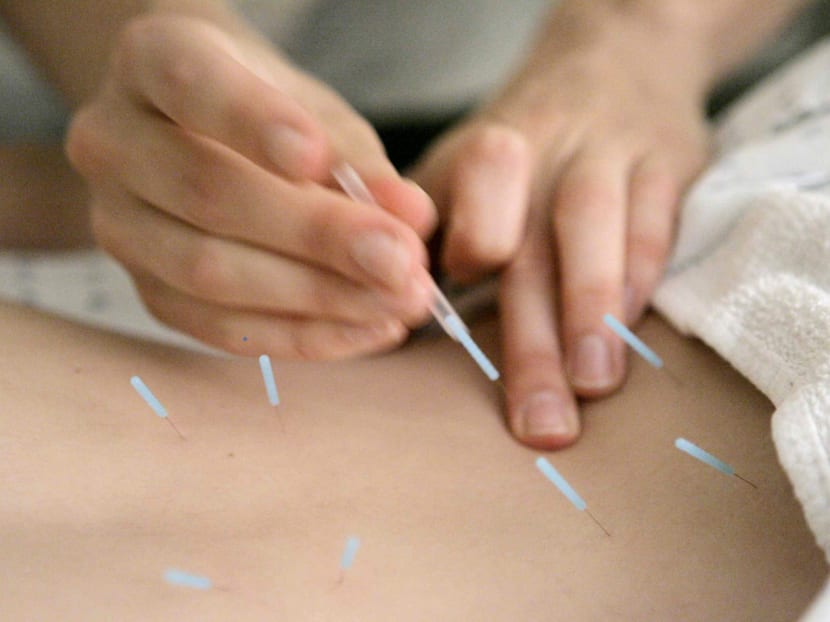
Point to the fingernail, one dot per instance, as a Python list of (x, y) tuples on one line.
[(382, 257), (286, 148), (369, 334), (546, 415), (591, 364)]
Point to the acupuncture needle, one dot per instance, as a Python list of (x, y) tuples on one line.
[(549, 471), (180, 578), (349, 553), (153, 402), (440, 307), (638, 345), (704, 456), (270, 383), (268, 378)]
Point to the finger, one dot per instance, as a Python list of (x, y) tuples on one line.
[(407, 201), (218, 192), (280, 336), (654, 197), (234, 275), (432, 170), (590, 224), (540, 407), (193, 73), (488, 201)]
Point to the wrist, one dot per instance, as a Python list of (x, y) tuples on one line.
[(667, 37), (679, 32), (725, 32)]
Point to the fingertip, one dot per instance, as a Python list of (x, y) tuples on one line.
[(545, 420), (421, 297), (379, 337), (406, 200), (489, 197), (427, 215)]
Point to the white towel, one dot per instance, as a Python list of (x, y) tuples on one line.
[(751, 271)]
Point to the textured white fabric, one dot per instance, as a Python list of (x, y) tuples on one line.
[(751, 271), (820, 609), (86, 286)]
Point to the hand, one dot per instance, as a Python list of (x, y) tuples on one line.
[(570, 180), (208, 156)]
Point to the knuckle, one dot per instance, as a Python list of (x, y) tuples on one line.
[(598, 294), (153, 53), (497, 143), (578, 199), (319, 237), (647, 250), (534, 364), (662, 181), (178, 78), (203, 186), (181, 68), (320, 297), (528, 264), (303, 346), (656, 187), (206, 270)]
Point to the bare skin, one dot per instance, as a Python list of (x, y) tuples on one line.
[(407, 452), (208, 155)]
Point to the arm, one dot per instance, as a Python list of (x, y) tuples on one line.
[(731, 30), (72, 41)]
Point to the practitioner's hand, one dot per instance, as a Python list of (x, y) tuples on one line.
[(209, 158), (570, 180)]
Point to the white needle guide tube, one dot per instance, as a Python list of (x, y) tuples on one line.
[(440, 307)]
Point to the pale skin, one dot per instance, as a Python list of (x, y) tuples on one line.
[(208, 156), (405, 451)]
